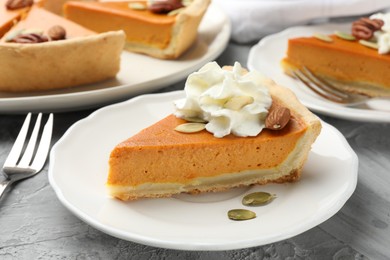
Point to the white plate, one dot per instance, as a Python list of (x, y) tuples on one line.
[(266, 57), (138, 74), (78, 172)]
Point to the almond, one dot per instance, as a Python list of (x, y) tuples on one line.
[(278, 117)]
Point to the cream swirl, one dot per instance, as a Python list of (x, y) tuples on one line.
[(231, 101), (383, 36)]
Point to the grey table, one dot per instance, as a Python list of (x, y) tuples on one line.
[(35, 225)]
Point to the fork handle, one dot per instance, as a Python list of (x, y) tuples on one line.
[(4, 187)]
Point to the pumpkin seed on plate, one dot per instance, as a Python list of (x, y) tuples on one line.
[(323, 37), (190, 127), (241, 214), (258, 198)]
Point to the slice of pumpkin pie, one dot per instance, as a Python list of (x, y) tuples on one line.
[(163, 29), (357, 63), (254, 132)]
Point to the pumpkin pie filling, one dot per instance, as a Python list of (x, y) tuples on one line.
[(161, 161), (356, 63), (157, 160), (8, 18), (41, 20), (140, 26), (164, 35), (341, 61)]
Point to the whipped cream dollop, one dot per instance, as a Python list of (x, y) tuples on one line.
[(230, 101), (383, 36)]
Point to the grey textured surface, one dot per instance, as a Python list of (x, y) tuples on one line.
[(35, 225)]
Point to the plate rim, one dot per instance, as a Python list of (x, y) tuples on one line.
[(333, 110), (146, 240), (92, 98)]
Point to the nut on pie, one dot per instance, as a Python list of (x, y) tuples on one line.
[(160, 161)]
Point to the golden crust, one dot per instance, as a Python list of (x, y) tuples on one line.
[(184, 33), (293, 176), (60, 64)]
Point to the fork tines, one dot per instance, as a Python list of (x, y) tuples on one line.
[(320, 86), (25, 158)]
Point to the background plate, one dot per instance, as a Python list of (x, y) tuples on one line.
[(138, 74), (267, 54), (78, 171)]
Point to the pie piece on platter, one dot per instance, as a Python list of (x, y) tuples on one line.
[(160, 161), (358, 63), (83, 57), (159, 35)]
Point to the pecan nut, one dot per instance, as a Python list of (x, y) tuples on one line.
[(56, 33), (165, 6), (364, 28), (29, 38), (278, 117), (17, 4)]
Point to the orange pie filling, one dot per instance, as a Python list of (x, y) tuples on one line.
[(356, 62), (247, 157), (9, 18), (341, 61), (41, 20), (164, 33), (140, 26)]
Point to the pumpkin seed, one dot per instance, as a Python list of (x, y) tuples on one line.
[(345, 36), (190, 127), (323, 37), (241, 214), (195, 120), (13, 34), (257, 198), (137, 6), (236, 103), (372, 45), (176, 11), (32, 30), (186, 2)]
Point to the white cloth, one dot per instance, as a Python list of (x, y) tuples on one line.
[(253, 19)]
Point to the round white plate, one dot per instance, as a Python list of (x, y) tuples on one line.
[(78, 171), (138, 74), (267, 54)]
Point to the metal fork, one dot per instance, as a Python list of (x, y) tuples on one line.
[(20, 165), (328, 91)]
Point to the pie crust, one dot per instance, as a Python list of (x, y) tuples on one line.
[(160, 162)]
